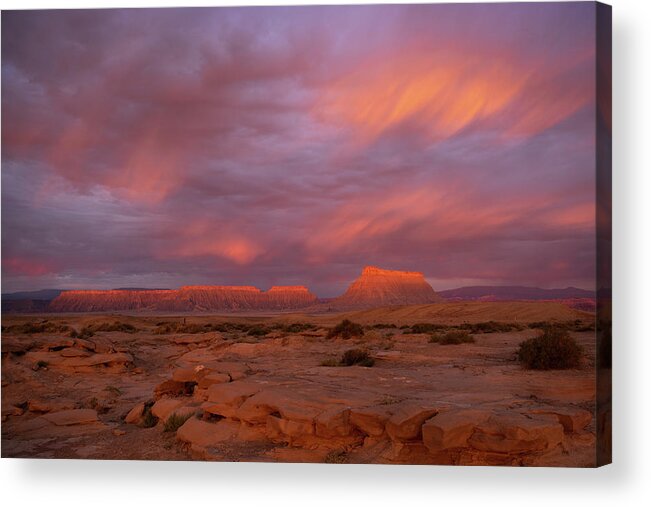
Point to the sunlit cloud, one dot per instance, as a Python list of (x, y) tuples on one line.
[(294, 145), (440, 97), (25, 267), (206, 238)]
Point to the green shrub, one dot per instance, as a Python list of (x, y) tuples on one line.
[(491, 327), (346, 329), (424, 328), (554, 349), (259, 331), (454, 337), (538, 325), (175, 421), (357, 357), (295, 327)]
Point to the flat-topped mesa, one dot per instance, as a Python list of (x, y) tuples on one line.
[(246, 298), (108, 300), (375, 271), (188, 298), (384, 287), (290, 296), (221, 297)]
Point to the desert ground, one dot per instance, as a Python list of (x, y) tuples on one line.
[(273, 388)]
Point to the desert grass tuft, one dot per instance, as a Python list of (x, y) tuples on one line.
[(175, 421)]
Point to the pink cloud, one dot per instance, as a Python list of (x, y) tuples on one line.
[(26, 267)]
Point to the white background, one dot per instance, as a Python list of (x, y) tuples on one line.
[(626, 482)]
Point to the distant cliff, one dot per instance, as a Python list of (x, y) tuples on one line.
[(383, 287), (374, 288), (190, 298), (513, 293)]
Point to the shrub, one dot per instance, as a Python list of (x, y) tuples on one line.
[(331, 361), (574, 325), (336, 457), (454, 337), (554, 349), (229, 327), (491, 327), (423, 328), (357, 356), (584, 328), (149, 420), (295, 327), (384, 326), (122, 327), (37, 327), (181, 327), (86, 332), (259, 331), (346, 329), (175, 421), (41, 364)]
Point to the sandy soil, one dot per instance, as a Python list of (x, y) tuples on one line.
[(268, 398)]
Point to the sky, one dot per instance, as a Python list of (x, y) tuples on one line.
[(295, 145)]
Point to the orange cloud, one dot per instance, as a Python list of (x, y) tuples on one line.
[(149, 173), (443, 96), (209, 239), (441, 213), (579, 215), (371, 216), (24, 266)]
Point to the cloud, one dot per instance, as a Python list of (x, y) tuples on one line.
[(294, 145)]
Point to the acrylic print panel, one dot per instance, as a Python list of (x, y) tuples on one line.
[(345, 234)]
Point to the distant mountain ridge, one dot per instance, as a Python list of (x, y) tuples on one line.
[(513, 293), (43, 294)]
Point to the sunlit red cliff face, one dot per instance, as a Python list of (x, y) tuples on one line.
[(375, 287), (192, 298)]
